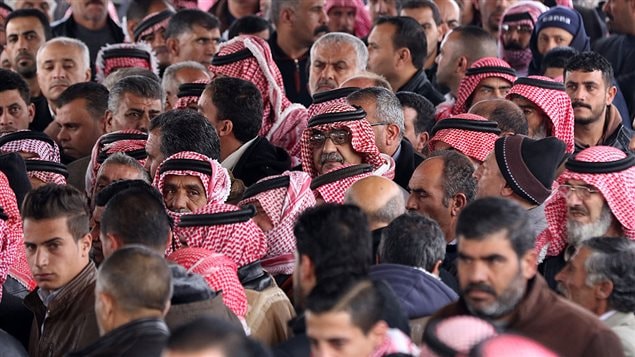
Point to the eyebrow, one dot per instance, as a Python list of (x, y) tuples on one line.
[(52, 240)]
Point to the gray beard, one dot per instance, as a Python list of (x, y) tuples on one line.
[(541, 133), (579, 232)]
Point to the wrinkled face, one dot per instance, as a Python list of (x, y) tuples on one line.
[(25, 35), (15, 114), (110, 173), (332, 149), (423, 16), (491, 276), (199, 45), (539, 125), (55, 258), (572, 280), (382, 54), (153, 150), (450, 13), (447, 60), (490, 179), (183, 194), (552, 37), (90, 10), (334, 334), (331, 66), (185, 75), (79, 131), (156, 40), (589, 95), (588, 214), (58, 67), (492, 12), (516, 37), (380, 8), (619, 15), (309, 21), (490, 88), (342, 19), (134, 112), (378, 124)]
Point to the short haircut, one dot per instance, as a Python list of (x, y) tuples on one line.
[(184, 20), (53, 201), (337, 240), (424, 121), (10, 80), (170, 72), (419, 4), (612, 259), (333, 38), (94, 94), (137, 85), (458, 175), (412, 240), (507, 114), (491, 215), (376, 79), (475, 43), (408, 34), (138, 9), (589, 62), (122, 73), (249, 25), (121, 158), (137, 278), (557, 57), (186, 130), (39, 15), (137, 216), (387, 106), (278, 5), (240, 102), (68, 42)]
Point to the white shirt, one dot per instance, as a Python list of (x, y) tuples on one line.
[(230, 161)]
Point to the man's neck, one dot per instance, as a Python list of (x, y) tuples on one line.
[(228, 147), (430, 60), (91, 24), (290, 45), (34, 87), (590, 134), (239, 10), (402, 77)]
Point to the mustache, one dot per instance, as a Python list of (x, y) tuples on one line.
[(331, 157), (322, 29), (514, 46), (578, 209), (478, 287), (327, 82), (577, 104)]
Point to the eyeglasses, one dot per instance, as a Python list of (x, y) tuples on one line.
[(337, 136), (380, 123), (518, 28), (583, 192)]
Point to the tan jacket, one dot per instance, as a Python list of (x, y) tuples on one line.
[(268, 315)]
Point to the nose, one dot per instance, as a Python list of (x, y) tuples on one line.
[(21, 44), (328, 72), (179, 202), (573, 199), (144, 122), (500, 93), (41, 258), (5, 118), (578, 94), (411, 203), (62, 135), (329, 145), (379, 7), (58, 71), (477, 273)]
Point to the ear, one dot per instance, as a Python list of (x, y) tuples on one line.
[(610, 95), (84, 243), (226, 127), (462, 65), (31, 110), (377, 333), (103, 122), (507, 191), (112, 242), (392, 133), (404, 58), (422, 142), (107, 309), (603, 289), (436, 268), (173, 46), (459, 201), (286, 15), (307, 273), (167, 308), (529, 264)]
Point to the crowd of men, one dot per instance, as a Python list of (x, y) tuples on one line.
[(317, 178)]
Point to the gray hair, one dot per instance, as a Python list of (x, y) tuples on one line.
[(67, 41), (122, 73), (120, 158), (138, 85), (458, 175), (388, 106), (334, 38), (169, 75), (611, 259), (278, 5)]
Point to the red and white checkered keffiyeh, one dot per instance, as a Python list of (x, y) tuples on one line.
[(44, 150), (185, 101), (124, 55), (283, 205), (185, 4), (159, 25), (5, 10), (335, 192), (396, 343), (220, 272), (362, 140), (324, 99), (555, 103), (242, 242), (474, 144), (283, 121), (471, 81), (617, 188), (11, 243), (363, 22)]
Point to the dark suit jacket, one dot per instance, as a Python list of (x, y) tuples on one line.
[(406, 164), (261, 159)]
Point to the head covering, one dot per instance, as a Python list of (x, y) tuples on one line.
[(332, 185), (152, 23), (5, 10), (470, 134), (283, 198), (47, 171), (46, 166), (455, 336), (550, 97), (220, 272), (249, 57), (520, 14), (189, 93), (562, 17), (124, 55), (486, 67), (363, 22), (608, 169), (222, 228), (10, 229), (529, 166), (323, 99)]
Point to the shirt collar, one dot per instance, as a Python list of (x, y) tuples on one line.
[(230, 161)]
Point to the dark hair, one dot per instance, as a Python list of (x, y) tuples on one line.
[(612, 259), (557, 57), (424, 121), (140, 86), (56, 201), (458, 175), (507, 114), (240, 102), (491, 215), (95, 95), (249, 24), (10, 80), (184, 20), (413, 240), (39, 15), (186, 130), (138, 9), (475, 43), (418, 4), (591, 61), (137, 216), (337, 240), (408, 34)]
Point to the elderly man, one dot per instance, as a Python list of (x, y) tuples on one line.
[(181, 73), (151, 30), (132, 103), (15, 103), (335, 57), (497, 275), (599, 278), (517, 24), (192, 35)]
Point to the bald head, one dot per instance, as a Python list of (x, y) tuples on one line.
[(379, 198), (366, 79), (507, 114)]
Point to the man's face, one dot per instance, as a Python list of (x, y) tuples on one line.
[(156, 40), (539, 125), (450, 13), (588, 214), (53, 254), (382, 54), (42, 5), (490, 179), (333, 334), (25, 35), (620, 15), (183, 194), (447, 60), (112, 172), (491, 276), (96, 250), (516, 37), (342, 19), (331, 66), (198, 44), (491, 88), (552, 37), (58, 67), (332, 149), (379, 124), (589, 95), (79, 131), (89, 10), (309, 21), (134, 112), (15, 114), (423, 16), (185, 75), (572, 280), (5, 62), (153, 149), (492, 12), (380, 8)]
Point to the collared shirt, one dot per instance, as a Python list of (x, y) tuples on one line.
[(395, 156), (605, 316), (230, 161)]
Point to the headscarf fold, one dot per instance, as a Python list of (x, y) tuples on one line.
[(472, 135), (152, 23), (45, 149), (124, 55)]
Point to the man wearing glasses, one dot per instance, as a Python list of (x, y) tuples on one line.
[(515, 32)]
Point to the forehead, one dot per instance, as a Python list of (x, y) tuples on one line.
[(493, 243), (342, 9), (115, 171), (330, 325), (131, 99), (311, 3), (495, 82), (429, 172), (554, 31), (24, 24), (418, 13), (198, 31), (11, 96), (60, 52), (338, 51), (584, 76), (523, 102), (41, 230), (190, 75), (184, 180), (383, 32), (73, 106)]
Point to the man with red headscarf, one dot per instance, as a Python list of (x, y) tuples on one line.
[(546, 106), (151, 30), (515, 31), (111, 58), (350, 16)]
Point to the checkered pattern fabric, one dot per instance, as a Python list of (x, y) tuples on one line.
[(519, 59), (363, 22), (43, 151), (105, 66), (474, 144), (159, 26), (185, 102), (334, 192)]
